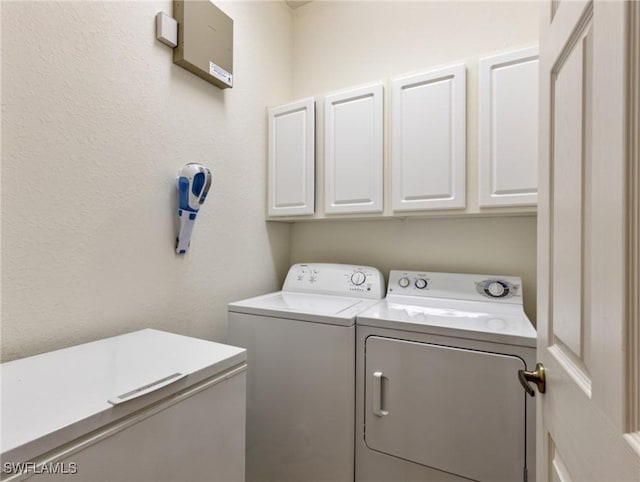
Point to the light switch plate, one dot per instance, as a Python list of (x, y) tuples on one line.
[(166, 29)]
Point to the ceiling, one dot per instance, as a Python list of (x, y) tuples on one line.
[(295, 4)]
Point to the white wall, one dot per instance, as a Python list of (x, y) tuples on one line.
[(343, 44), (96, 121), (472, 245)]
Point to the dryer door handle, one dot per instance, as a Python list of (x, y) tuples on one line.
[(378, 395)]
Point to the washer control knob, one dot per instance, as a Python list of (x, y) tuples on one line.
[(358, 278), (421, 283), (404, 282), (497, 289)]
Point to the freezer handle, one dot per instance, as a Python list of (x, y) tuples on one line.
[(378, 386), (148, 388)]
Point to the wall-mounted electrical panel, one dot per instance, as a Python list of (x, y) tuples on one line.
[(205, 41)]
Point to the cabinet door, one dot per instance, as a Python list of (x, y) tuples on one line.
[(428, 140), (292, 159), (509, 129), (353, 151)]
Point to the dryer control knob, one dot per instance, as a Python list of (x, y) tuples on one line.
[(497, 289), (421, 283), (404, 282), (358, 278)]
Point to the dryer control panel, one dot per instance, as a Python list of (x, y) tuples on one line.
[(335, 279), (472, 287)]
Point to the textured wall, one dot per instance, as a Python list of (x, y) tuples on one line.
[(96, 121), (471, 245), (344, 44), (339, 44)]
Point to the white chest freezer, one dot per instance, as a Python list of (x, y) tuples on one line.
[(145, 406)]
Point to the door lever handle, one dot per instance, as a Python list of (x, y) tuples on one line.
[(538, 376)]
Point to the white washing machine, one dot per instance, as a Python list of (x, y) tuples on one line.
[(301, 371), (438, 395)]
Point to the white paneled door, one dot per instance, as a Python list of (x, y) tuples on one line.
[(353, 151), (428, 140), (509, 129), (588, 338), (291, 164)]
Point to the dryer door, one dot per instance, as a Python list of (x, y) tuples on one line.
[(457, 410)]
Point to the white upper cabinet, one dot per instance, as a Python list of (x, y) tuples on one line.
[(424, 170), (428, 140), (353, 151), (291, 175), (509, 129)]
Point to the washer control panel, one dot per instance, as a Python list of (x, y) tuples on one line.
[(335, 279), (470, 287)]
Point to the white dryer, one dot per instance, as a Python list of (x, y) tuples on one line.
[(438, 395), (301, 371)]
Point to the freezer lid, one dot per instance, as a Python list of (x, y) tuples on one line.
[(53, 398)]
